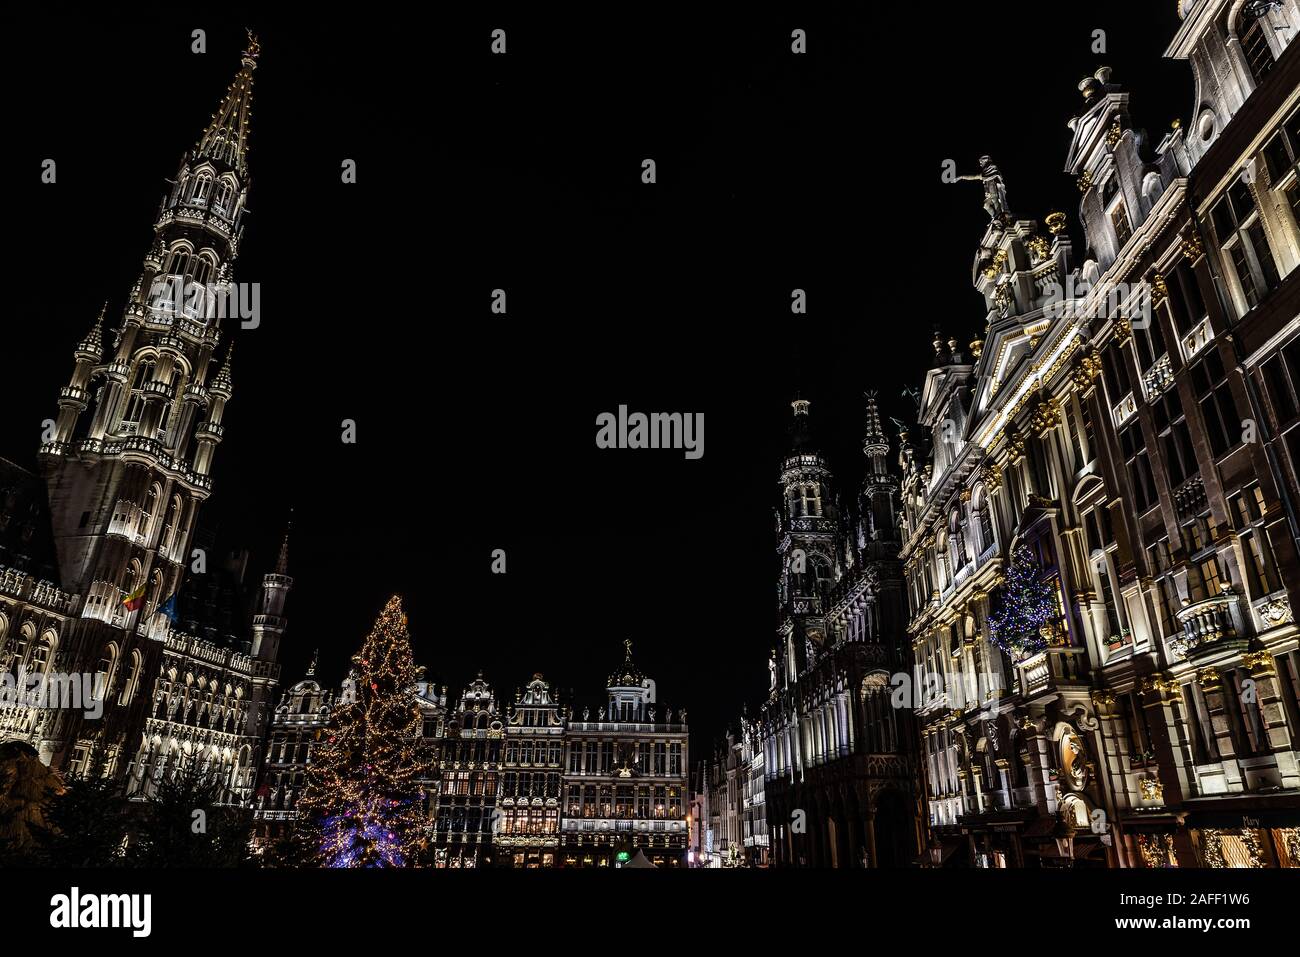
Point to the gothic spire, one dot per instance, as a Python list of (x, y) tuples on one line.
[(222, 382), (226, 137), (874, 442), (282, 563), (93, 344)]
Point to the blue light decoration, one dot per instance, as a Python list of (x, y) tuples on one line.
[(362, 837), (1027, 608)]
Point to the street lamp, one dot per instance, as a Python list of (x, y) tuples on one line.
[(1064, 835), (936, 852)]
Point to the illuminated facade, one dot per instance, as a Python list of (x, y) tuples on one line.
[(472, 750), (626, 778), (126, 464), (528, 834), (1130, 421), (841, 782)]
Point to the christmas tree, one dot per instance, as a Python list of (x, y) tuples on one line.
[(363, 802), (1028, 606)]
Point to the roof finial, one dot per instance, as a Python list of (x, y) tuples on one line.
[(282, 564), (315, 659), (627, 646)]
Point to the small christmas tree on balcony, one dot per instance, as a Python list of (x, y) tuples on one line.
[(1028, 608), (363, 804)]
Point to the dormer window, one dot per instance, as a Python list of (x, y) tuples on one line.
[(1255, 48), (1120, 222)]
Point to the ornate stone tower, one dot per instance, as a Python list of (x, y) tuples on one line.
[(128, 460), (808, 538)]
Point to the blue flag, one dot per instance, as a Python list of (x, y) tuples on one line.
[(169, 608)]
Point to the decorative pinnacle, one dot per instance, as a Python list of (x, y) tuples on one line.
[(94, 341), (874, 442), (282, 563), (222, 380)]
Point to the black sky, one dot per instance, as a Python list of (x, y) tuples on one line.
[(523, 172)]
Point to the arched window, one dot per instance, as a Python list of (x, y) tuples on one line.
[(135, 406), (179, 262), (941, 559), (202, 186), (43, 654), (143, 527), (104, 673), (132, 680), (155, 596), (984, 512), (224, 194), (21, 642), (172, 527)]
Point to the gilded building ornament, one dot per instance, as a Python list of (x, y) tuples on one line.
[(1209, 679), (992, 477), (1260, 663), (1192, 245), (1045, 418), (1159, 289), (1039, 247), (1152, 790), (1123, 330), (1085, 181), (1015, 444), (1114, 134), (1086, 370), (1055, 223), (1276, 611)]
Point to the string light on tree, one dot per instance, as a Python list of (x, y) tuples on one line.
[(1028, 608), (363, 803)]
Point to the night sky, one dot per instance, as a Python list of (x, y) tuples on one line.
[(522, 172)]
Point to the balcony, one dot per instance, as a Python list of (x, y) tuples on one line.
[(1212, 624), (1158, 378), (1053, 669)]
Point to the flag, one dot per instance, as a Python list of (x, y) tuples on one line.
[(135, 599), (169, 608)]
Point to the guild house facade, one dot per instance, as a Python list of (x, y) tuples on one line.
[(536, 783), (1123, 436)]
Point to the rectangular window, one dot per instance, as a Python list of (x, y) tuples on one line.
[(1218, 408), (1139, 467), (1241, 238), (1281, 376), (1119, 220), (1117, 372), (1175, 440)]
